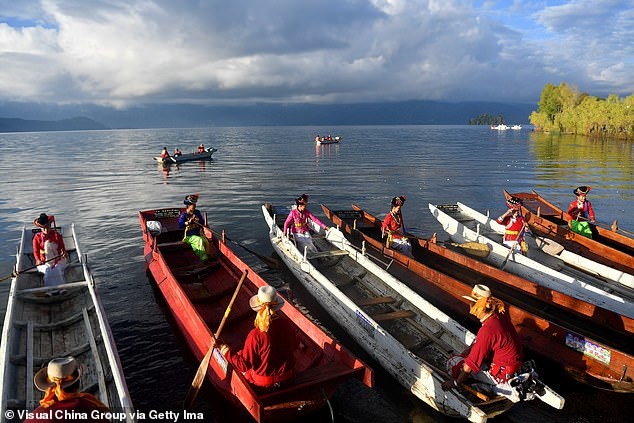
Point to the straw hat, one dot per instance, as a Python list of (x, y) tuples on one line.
[(478, 291), (266, 295), (65, 368)]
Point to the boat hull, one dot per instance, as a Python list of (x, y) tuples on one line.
[(42, 323), (187, 157), (197, 302), (446, 275)]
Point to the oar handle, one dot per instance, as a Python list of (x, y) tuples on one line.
[(14, 274), (199, 378)]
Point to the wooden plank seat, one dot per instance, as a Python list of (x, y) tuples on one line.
[(375, 301), (331, 253), (196, 269), (175, 245), (398, 314)]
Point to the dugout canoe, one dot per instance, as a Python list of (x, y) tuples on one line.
[(593, 345), (42, 323), (187, 157), (569, 281), (197, 295), (406, 334), (606, 246), (554, 255)]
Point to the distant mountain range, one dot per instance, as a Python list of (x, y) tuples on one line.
[(40, 117)]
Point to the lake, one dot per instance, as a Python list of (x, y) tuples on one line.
[(101, 179)]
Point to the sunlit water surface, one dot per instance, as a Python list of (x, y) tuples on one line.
[(100, 180)]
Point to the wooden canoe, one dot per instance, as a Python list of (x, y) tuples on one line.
[(197, 295), (42, 323), (554, 255), (547, 320), (607, 247), (406, 334), (570, 281)]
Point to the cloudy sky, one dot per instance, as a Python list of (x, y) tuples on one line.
[(126, 52)]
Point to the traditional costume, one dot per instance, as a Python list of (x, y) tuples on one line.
[(267, 358), (581, 212), (49, 251), (59, 381), (193, 224), (298, 223), (393, 227), (515, 226)]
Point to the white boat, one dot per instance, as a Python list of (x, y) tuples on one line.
[(516, 127), (568, 281), (406, 334), (42, 323), (554, 255), (500, 127)]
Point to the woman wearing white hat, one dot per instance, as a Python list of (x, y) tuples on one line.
[(495, 356), (59, 381), (266, 359)]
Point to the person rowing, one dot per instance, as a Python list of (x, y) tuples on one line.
[(192, 221), (49, 251), (515, 226)]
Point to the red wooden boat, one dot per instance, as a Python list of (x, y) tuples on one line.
[(606, 246), (197, 295), (591, 344)]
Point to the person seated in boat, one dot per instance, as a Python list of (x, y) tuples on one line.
[(515, 226), (495, 356), (62, 401), (393, 228), (298, 224), (192, 221), (317, 138), (165, 155), (49, 251), (201, 148), (267, 357), (581, 213), (177, 152)]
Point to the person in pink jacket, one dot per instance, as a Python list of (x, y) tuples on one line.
[(297, 223)]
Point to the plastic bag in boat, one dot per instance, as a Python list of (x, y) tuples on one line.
[(154, 227)]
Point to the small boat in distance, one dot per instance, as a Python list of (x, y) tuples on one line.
[(187, 157), (328, 139), (500, 127)]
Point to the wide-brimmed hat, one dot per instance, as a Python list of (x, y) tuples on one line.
[(583, 189), (478, 291), (191, 199), (43, 220), (64, 368), (302, 199), (398, 201), (266, 295), (514, 203)]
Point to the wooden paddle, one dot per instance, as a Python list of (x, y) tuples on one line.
[(474, 248), (199, 378), (270, 261), (517, 240), (14, 274)]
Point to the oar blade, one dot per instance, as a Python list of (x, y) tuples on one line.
[(475, 248)]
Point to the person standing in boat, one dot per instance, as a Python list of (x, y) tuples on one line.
[(192, 221), (62, 401), (178, 152), (581, 208), (165, 155), (298, 224), (49, 251), (495, 356), (515, 226), (201, 148), (394, 229), (267, 357)]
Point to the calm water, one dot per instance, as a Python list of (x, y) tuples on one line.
[(101, 179)]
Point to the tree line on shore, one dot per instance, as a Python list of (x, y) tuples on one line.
[(563, 109)]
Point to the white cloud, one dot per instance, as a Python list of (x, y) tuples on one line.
[(119, 52)]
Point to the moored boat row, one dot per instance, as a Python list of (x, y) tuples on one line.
[(547, 320)]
